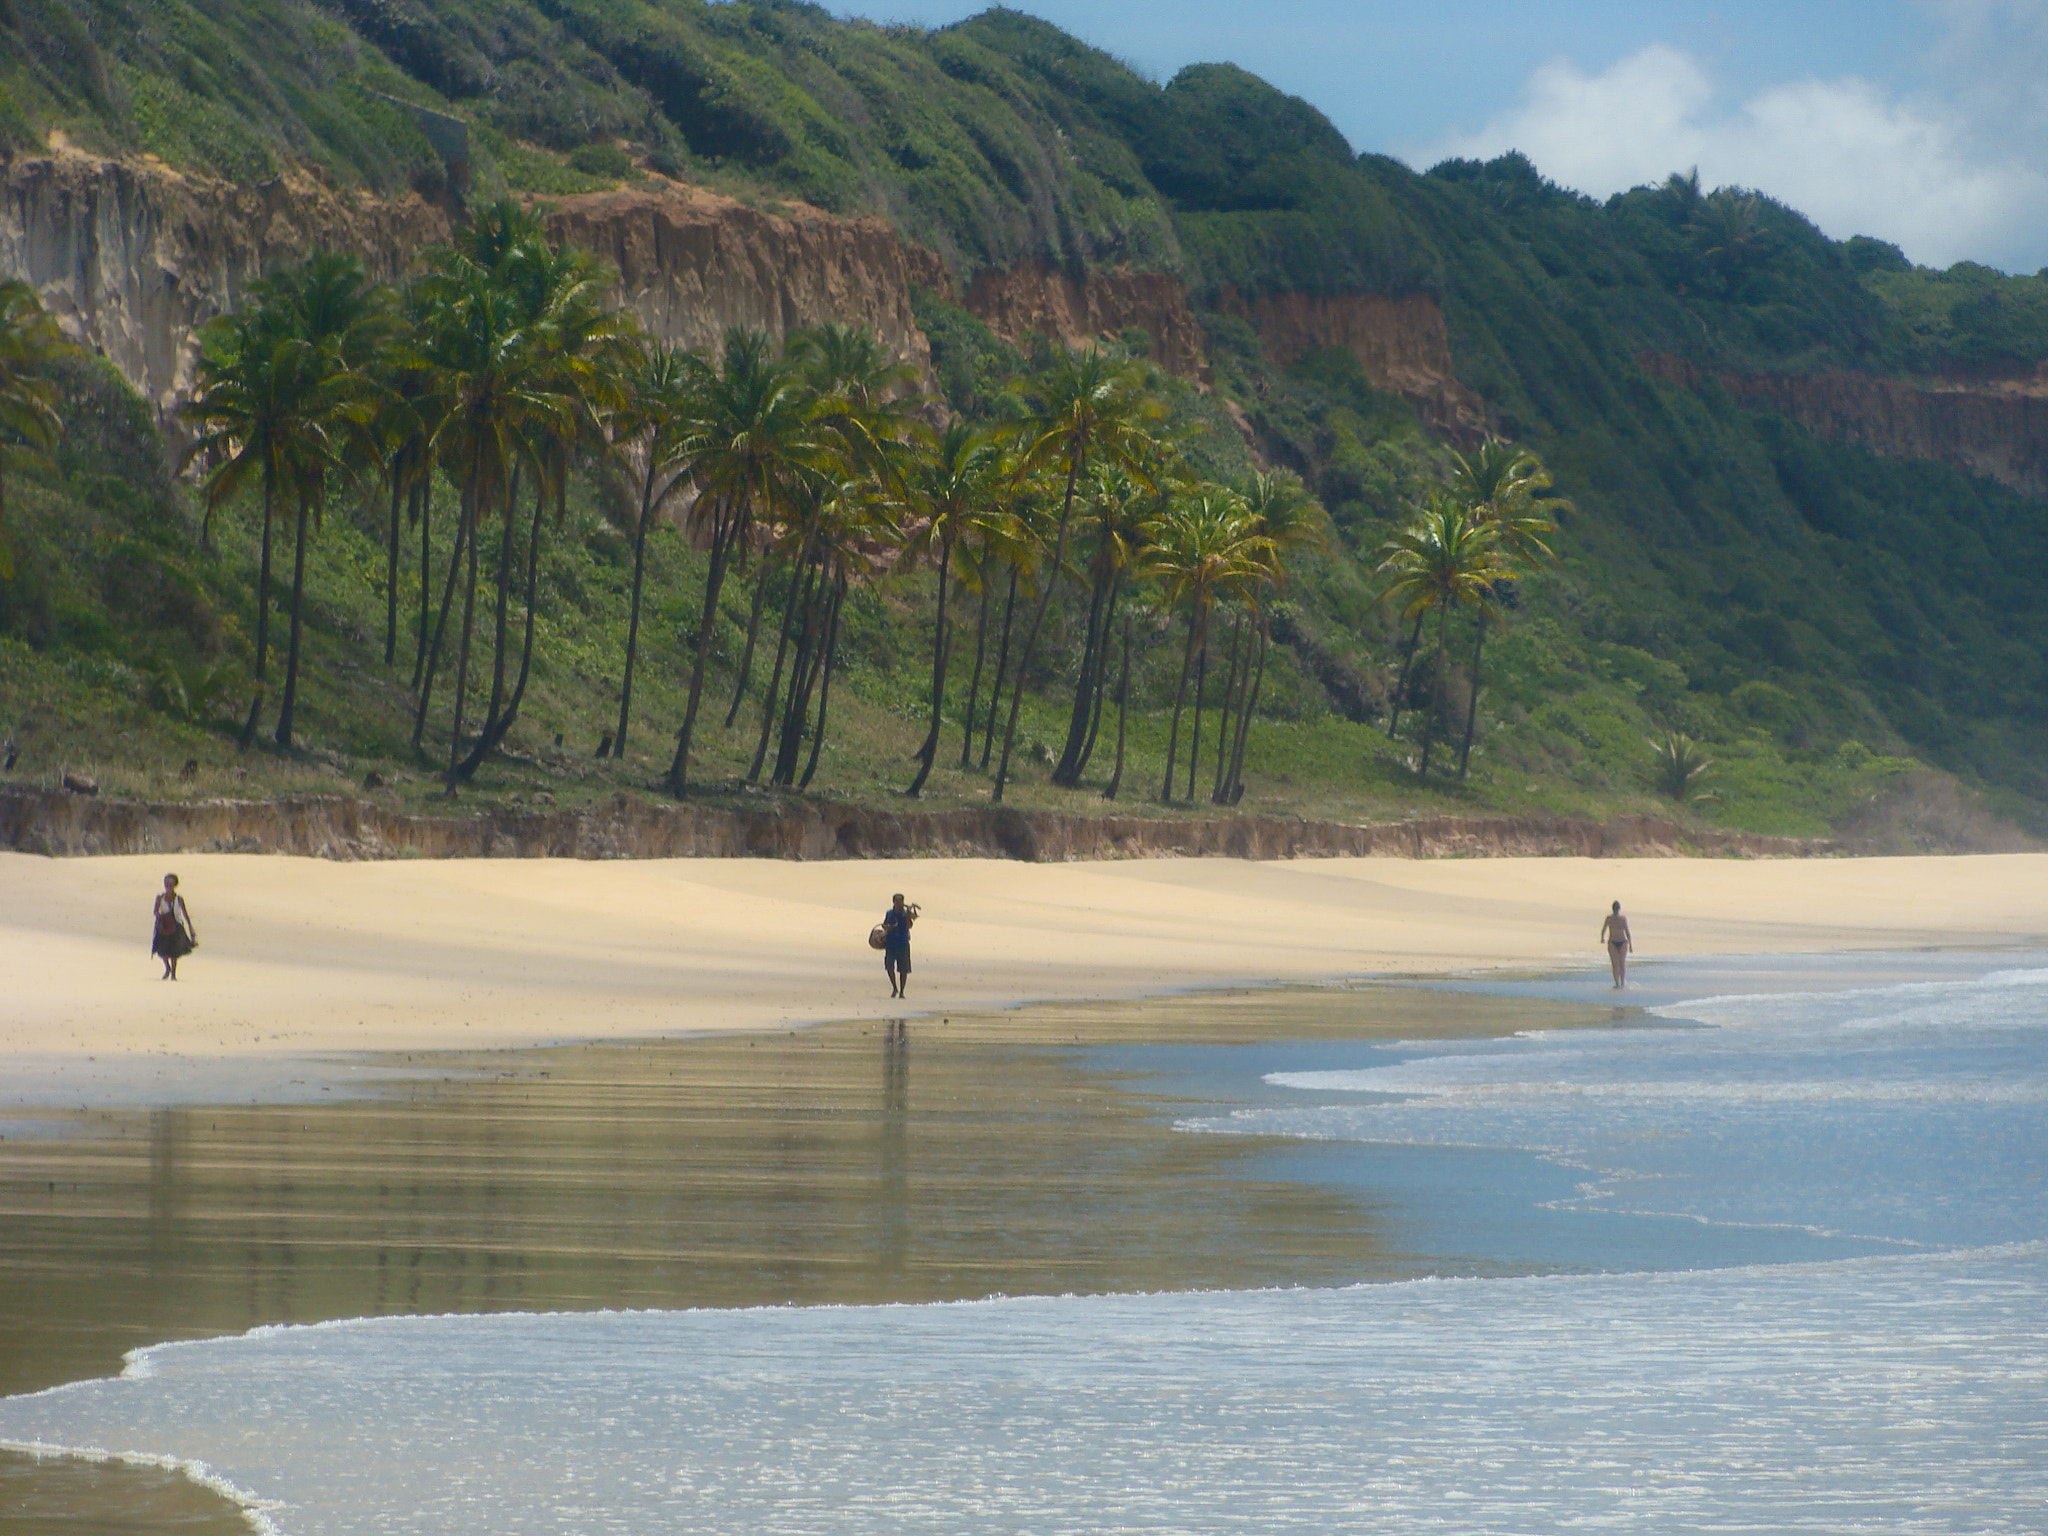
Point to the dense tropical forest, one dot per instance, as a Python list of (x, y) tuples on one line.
[(496, 528)]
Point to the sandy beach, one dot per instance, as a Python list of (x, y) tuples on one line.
[(190, 1160), (301, 956)]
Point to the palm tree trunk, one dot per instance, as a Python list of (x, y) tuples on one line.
[(1052, 581), (1180, 693), (433, 653), (462, 664), (391, 564), (1472, 708), (425, 498), (283, 734), (929, 752), (262, 613), (739, 687), (995, 695), (803, 676), (1443, 628), (974, 684), (501, 726), (633, 610), (501, 624), (1201, 683), (825, 693), (714, 579), (1068, 771), (1244, 718), (1101, 678), (1401, 688), (1123, 699), (1231, 684), (800, 581)]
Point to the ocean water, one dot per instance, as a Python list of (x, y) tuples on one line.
[(1758, 1262)]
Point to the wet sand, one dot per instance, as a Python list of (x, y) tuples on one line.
[(860, 1162), (964, 1156)]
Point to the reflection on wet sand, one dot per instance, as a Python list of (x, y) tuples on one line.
[(905, 1161)]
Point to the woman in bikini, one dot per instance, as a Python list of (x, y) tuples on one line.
[(171, 923), (1614, 934)]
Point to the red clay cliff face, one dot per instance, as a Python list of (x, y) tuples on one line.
[(1997, 429), (1398, 339), (1032, 298)]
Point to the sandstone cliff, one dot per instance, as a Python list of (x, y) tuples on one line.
[(691, 263), (1399, 340), (134, 257), (1997, 429), (57, 823), (1032, 298)]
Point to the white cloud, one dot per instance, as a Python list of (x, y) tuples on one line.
[(1926, 173)]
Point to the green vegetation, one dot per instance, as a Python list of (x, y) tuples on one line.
[(1813, 619)]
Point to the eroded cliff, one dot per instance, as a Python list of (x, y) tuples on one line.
[(691, 263), (1997, 428), (1398, 339), (134, 257)]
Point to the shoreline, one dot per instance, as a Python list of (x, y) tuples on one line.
[(303, 957)]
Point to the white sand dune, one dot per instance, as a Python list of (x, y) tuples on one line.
[(300, 956)]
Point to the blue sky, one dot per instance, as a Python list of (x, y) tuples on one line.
[(1924, 122)]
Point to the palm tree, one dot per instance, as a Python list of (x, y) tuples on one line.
[(1013, 538), (1204, 546), (1124, 505), (267, 404), (497, 390), (657, 416), (948, 483), (1678, 767), (1286, 514), (586, 351), (29, 343), (857, 519), (1089, 406), (753, 430), (1445, 557), (864, 404), (332, 305), (1503, 485)]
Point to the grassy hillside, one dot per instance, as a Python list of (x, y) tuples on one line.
[(1820, 619)]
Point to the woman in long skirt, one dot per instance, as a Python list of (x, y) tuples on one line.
[(174, 937)]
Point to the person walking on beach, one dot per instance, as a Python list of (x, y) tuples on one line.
[(896, 943), (1615, 935), (174, 937)]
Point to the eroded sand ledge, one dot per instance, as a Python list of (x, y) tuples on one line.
[(303, 956), (348, 827)]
